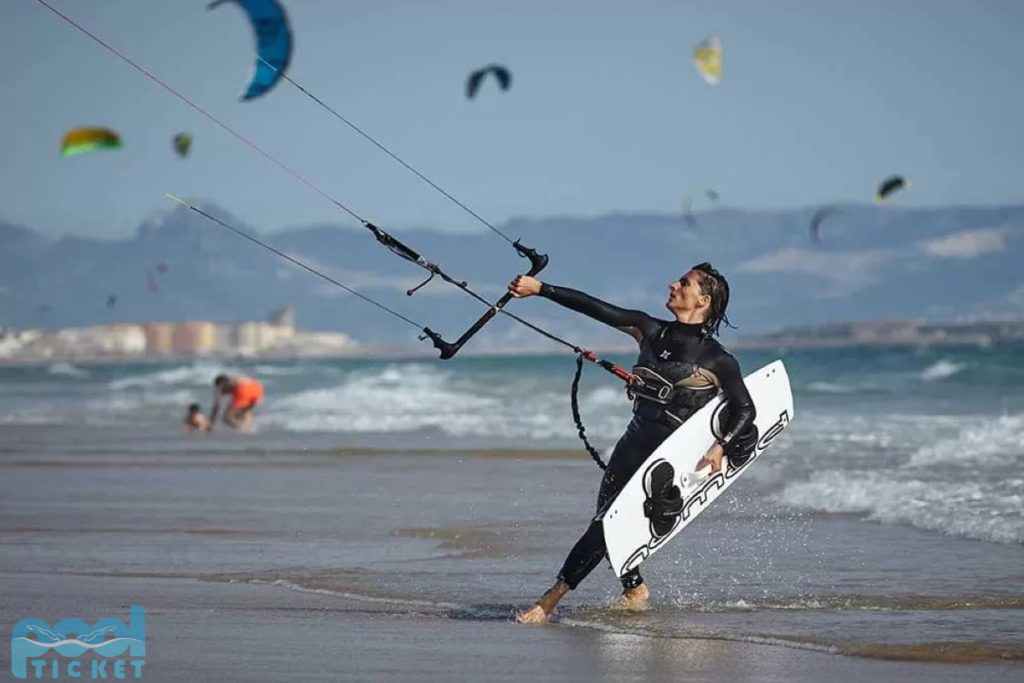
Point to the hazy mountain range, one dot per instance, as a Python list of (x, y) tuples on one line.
[(874, 263)]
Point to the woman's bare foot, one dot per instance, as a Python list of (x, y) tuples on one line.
[(541, 612), (534, 615), (633, 599)]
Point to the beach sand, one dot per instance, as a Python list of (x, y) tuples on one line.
[(346, 567), (203, 631)]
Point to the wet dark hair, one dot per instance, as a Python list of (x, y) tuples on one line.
[(220, 380), (714, 285), (195, 408)]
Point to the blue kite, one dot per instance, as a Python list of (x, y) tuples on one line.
[(273, 43)]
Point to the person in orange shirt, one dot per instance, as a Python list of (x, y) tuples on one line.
[(245, 393)]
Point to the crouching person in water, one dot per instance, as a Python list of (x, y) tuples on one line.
[(682, 355), (194, 420), (245, 393)]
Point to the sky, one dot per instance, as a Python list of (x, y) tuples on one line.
[(819, 101)]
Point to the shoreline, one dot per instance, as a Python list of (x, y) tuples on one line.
[(273, 632), (412, 354)]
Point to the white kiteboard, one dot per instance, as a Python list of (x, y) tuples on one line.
[(630, 535)]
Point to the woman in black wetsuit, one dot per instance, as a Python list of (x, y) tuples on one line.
[(682, 359)]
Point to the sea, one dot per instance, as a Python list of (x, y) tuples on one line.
[(887, 521)]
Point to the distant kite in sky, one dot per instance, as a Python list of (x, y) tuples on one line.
[(691, 220), (182, 144), (707, 57), (160, 267), (889, 186), (688, 216), (111, 300), (273, 43), (503, 76), (817, 219), (82, 140), (151, 285)]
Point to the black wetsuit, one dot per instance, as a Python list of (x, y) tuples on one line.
[(694, 364)]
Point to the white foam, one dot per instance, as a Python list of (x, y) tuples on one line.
[(31, 418), (998, 441), (278, 370), (700, 604), (66, 370), (125, 402), (830, 388), (989, 511), (852, 435), (196, 374), (940, 370), (415, 396)]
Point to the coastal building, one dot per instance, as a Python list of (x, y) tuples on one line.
[(259, 337), (13, 342), (248, 336), (316, 344), (124, 339), (159, 338), (225, 338), (193, 338), (276, 337)]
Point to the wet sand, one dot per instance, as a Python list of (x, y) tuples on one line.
[(371, 568), (202, 631)]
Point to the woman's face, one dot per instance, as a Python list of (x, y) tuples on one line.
[(684, 294)]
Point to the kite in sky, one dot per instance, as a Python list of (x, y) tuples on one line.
[(502, 75), (707, 57), (82, 140), (273, 43)]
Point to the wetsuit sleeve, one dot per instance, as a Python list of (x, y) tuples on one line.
[(742, 406), (624, 319)]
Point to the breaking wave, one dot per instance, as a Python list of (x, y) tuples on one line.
[(994, 441), (940, 370), (66, 370), (196, 374), (986, 511), (414, 397)]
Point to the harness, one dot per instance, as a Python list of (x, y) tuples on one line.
[(653, 396), (660, 392), (656, 397)]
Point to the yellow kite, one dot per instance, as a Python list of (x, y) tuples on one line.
[(707, 57), (81, 140)]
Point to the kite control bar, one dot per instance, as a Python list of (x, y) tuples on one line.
[(449, 349)]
